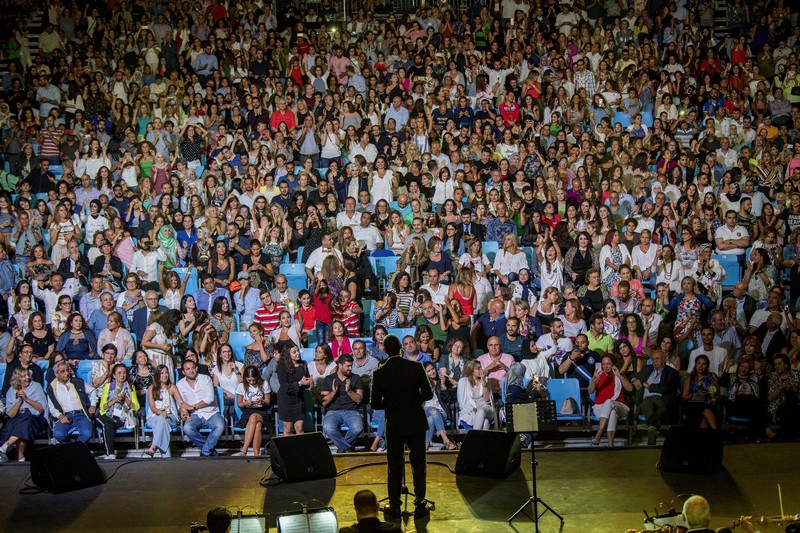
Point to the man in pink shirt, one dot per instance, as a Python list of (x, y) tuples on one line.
[(338, 65), (495, 364)]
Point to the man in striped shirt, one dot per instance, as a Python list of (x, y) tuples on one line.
[(347, 311), (268, 315)]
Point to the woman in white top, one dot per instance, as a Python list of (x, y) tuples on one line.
[(669, 270), (227, 373), (475, 257), (323, 365), (474, 398), (572, 319), (644, 258), (381, 181), (444, 187), (172, 288), (509, 260), (253, 398), (163, 399), (155, 341), (551, 264), (613, 256), (331, 145)]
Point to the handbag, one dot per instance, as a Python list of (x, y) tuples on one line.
[(568, 407)]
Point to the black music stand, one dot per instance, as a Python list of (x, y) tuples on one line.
[(529, 418)]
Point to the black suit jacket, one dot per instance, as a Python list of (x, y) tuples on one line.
[(750, 307), (400, 387), (777, 343), (64, 268), (475, 229), (667, 387)]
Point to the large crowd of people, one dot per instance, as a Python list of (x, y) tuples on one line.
[(602, 189)]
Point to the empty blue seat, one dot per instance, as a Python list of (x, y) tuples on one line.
[(647, 119), (400, 333), (307, 354), (293, 269), (560, 390), (238, 341), (622, 118)]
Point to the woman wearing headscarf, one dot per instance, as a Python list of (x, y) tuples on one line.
[(522, 288), (166, 238)]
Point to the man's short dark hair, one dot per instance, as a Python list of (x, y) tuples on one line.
[(365, 502), (392, 346), (218, 520), (344, 359)]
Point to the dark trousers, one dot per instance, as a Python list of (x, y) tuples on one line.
[(395, 449), (110, 425)]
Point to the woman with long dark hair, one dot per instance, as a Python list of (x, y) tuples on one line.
[(294, 379), (253, 398)]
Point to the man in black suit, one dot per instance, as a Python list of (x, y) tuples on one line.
[(659, 401), (400, 387), (75, 269), (697, 514), (747, 303), (469, 228), (772, 338)]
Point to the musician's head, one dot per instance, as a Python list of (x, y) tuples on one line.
[(697, 512)]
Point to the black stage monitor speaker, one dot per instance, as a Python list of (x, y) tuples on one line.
[(65, 467), (301, 457), (489, 453), (691, 450)]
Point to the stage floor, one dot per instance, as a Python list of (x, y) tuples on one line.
[(595, 490)]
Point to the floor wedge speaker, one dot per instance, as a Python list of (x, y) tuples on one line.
[(302, 457), (489, 454), (691, 450), (65, 467)]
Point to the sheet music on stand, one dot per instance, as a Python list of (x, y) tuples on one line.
[(250, 524), (523, 417), (314, 521)]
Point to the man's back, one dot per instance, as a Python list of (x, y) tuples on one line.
[(400, 387)]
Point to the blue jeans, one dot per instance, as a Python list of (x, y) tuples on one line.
[(333, 420), (379, 417), (77, 421), (435, 422), (322, 332), (192, 430)]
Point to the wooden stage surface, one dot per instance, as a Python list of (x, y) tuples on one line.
[(597, 490)]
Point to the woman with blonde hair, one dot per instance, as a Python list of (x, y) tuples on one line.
[(415, 260)]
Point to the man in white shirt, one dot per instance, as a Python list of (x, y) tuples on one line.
[(145, 263), (730, 238), (348, 217), (554, 346), (717, 355), (650, 318), (438, 291), (199, 409), (69, 405), (316, 258), (50, 296), (365, 148), (367, 233), (645, 220)]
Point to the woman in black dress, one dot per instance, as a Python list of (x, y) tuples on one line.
[(294, 379)]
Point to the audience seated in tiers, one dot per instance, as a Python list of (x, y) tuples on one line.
[(566, 184)]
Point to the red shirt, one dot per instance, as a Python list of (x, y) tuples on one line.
[(510, 113), (350, 321), (309, 317), (279, 116), (322, 308), (268, 319)]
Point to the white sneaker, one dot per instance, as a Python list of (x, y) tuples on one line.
[(109, 457)]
